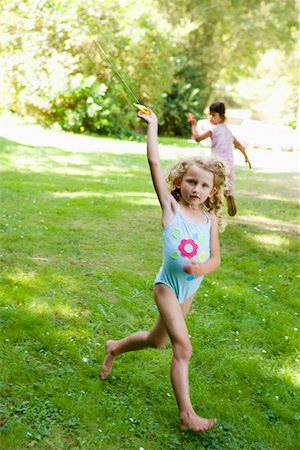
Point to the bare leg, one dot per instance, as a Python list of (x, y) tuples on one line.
[(173, 316), (137, 341)]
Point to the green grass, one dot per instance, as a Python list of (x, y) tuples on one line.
[(80, 247), (177, 142)]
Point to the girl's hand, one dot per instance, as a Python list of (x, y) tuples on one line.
[(194, 268), (191, 118), (247, 162), (149, 118)]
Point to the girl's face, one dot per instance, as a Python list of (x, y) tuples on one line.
[(215, 118), (196, 186)]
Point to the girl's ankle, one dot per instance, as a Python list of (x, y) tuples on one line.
[(111, 347), (185, 415)]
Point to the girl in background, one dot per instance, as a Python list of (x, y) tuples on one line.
[(222, 140), (191, 209)]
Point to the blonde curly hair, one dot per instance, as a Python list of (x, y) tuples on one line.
[(213, 165)]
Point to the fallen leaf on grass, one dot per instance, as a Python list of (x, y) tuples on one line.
[(3, 421)]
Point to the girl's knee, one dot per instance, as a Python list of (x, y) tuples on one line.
[(183, 350)]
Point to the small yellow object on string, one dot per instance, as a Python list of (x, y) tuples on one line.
[(142, 108)]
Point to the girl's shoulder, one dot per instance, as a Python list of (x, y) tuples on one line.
[(222, 129), (211, 214), (212, 217), (218, 128), (222, 126)]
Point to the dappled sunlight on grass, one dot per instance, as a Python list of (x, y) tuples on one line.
[(76, 165), (265, 223), (140, 198), (24, 162), (136, 198), (75, 159), (25, 278), (78, 194), (58, 310), (293, 197), (290, 375), (272, 240), (90, 170)]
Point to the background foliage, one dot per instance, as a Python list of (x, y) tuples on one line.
[(175, 56)]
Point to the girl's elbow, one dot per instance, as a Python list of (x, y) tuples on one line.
[(153, 162), (218, 262), (215, 263)]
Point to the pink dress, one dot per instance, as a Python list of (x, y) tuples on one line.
[(222, 140)]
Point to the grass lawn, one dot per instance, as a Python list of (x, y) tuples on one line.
[(80, 247)]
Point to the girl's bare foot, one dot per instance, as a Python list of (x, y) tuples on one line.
[(196, 423), (108, 360)]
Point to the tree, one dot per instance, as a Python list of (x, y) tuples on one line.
[(54, 70), (173, 55), (221, 41)]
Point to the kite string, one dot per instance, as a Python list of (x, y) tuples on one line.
[(115, 69)]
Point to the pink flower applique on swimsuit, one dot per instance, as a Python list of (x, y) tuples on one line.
[(188, 248)]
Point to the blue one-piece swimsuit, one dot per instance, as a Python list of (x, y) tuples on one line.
[(183, 240)]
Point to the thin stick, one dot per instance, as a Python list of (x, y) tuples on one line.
[(115, 69)]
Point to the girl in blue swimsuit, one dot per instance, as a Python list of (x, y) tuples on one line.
[(191, 201)]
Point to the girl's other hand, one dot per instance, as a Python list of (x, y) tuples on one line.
[(248, 163), (194, 268), (191, 118)]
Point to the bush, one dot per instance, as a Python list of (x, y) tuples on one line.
[(178, 103), (85, 104)]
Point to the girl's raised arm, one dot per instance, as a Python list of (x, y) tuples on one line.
[(166, 200)]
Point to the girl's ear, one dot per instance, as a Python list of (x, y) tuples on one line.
[(177, 183), (213, 192)]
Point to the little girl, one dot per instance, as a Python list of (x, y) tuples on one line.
[(222, 140), (191, 250)]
